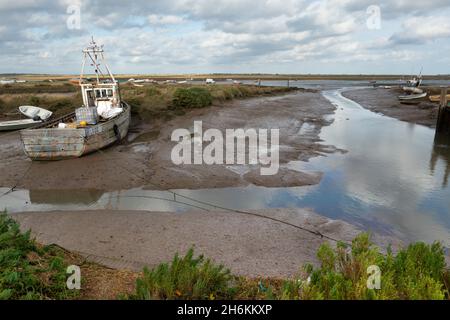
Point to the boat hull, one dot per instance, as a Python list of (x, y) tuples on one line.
[(18, 124), (51, 143)]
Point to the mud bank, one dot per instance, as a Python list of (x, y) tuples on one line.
[(144, 158), (386, 101), (248, 245)]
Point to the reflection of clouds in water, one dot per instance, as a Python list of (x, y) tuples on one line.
[(388, 166), (423, 226)]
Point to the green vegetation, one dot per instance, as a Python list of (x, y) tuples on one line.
[(28, 271), (186, 98), (167, 101), (155, 101), (31, 271), (417, 272), (185, 278), (36, 88)]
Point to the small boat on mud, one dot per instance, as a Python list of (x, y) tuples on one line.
[(437, 98), (36, 113), (101, 121), (413, 96), (413, 90), (18, 124)]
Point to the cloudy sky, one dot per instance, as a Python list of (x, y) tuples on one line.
[(233, 36)]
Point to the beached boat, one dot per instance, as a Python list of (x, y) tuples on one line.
[(413, 96), (18, 124), (36, 113), (437, 98), (414, 90), (101, 121)]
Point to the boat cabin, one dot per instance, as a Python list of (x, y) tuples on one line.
[(103, 95)]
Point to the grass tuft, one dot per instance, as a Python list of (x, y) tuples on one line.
[(185, 278)]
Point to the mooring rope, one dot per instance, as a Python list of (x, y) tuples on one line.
[(175, 194)]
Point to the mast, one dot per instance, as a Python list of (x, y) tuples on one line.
[(95, 54)]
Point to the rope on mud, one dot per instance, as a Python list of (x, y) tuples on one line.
[(175, 194), (13, 188), (89, 257)]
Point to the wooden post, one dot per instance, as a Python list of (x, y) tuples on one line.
[(443, 113)]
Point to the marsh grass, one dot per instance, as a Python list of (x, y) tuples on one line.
[(156, 101), (27, 270)]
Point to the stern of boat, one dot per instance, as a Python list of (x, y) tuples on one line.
[(53, 144)]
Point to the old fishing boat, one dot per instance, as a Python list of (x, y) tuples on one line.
[(102, 120)]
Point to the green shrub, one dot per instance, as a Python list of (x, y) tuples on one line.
[(185, 278), (27, 271), (34, 101), (417, 272), (191, 98), (152, 91)]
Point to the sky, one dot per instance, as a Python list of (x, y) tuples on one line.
[(228, 36)]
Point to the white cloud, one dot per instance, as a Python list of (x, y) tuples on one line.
[(155, 19), (423, 29), (163, 35)]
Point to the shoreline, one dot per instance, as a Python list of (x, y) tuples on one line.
[(250, 246), (385, 101)]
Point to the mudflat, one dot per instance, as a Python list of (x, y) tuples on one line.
[(143, 159), (248, 245), (386, 101)]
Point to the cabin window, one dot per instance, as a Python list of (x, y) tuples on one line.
[(104, 93), (110, 93), (98, 94)]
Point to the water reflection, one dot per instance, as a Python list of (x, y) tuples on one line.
[(441, 151)]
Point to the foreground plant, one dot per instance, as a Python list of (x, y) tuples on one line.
[(185, 278), (28, 271), (417, 272)]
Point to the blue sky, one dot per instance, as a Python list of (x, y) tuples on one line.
[(233, 36)]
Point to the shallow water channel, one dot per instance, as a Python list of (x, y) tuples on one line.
[(393, 179)]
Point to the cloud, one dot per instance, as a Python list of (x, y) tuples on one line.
[(165, 19), (419, 30), (217, 36)]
